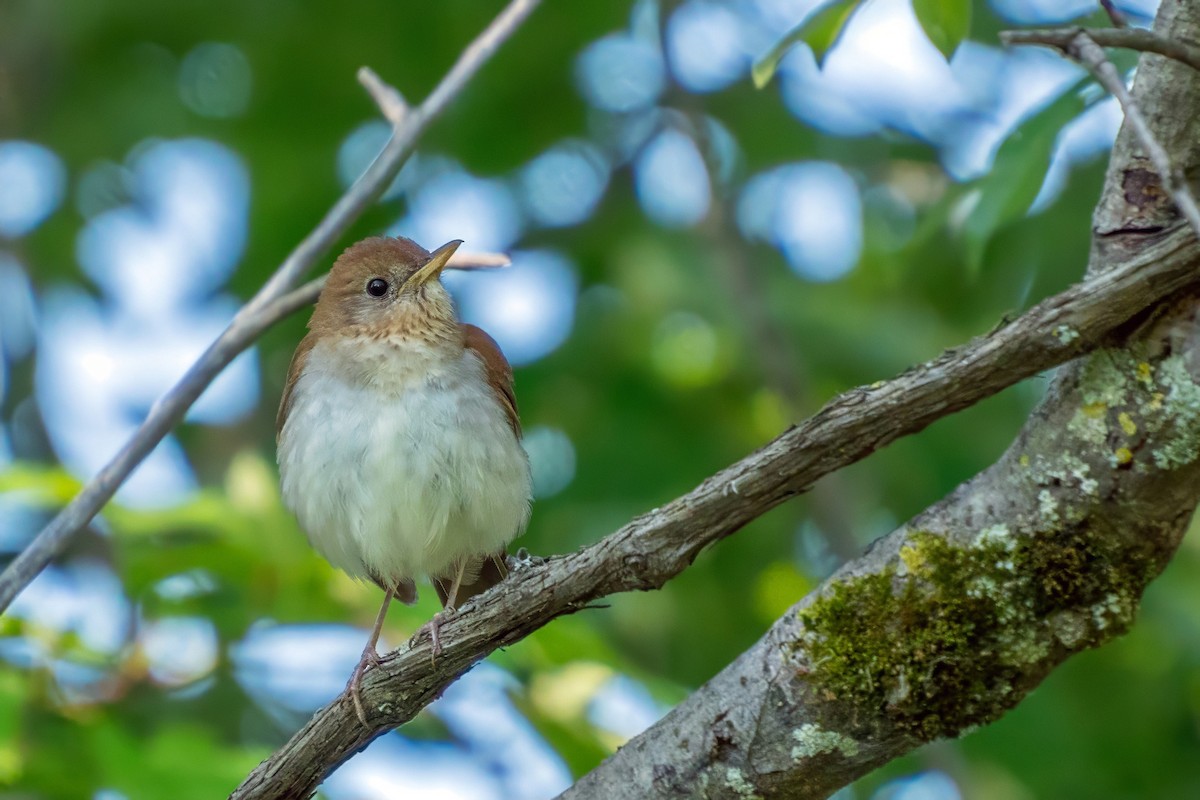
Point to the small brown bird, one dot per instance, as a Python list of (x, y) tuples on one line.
[(398, 437)]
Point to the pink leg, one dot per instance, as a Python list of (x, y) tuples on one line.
[(435, 624), (370, 657)]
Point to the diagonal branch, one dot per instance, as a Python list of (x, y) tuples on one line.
[(270, 304), (653, 548), (1114, 14), (952, 619)]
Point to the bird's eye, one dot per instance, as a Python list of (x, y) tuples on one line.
[(377, 287)]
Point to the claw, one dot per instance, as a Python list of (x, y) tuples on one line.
[(369, 658), (435, 631)]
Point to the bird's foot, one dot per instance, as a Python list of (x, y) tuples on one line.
[(370, 658), (435, 631), (523, 559)]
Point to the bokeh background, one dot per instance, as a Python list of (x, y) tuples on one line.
[(697, 263)]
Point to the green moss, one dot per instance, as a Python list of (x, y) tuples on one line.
[(951, 635), (947, 638)]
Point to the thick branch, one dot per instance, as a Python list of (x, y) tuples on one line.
[(951, 620), (656, 546), (263, 309)]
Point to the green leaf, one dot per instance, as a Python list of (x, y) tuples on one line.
[(38, 485), (945, 22), (1017, 174), (820, 31)]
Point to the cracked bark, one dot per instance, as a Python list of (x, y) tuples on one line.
[(1089, 503)]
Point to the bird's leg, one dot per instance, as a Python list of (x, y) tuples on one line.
[(370, 657), (448, 609)]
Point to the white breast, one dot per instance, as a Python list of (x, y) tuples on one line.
[(404, 466)]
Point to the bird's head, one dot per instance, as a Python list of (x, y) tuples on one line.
[(383, 286)]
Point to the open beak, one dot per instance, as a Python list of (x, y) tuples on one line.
[(436, 263)]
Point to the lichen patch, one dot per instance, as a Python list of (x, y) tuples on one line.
[(813, 740)]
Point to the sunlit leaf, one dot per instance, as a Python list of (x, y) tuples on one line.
[(14, 690), (820, 32), (945, 22), (39, 485)]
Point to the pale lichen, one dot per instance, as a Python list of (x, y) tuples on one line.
[(1127, 401), (1090, 424), (813, 740), (735, 779), (1065, 334), (998, 535), (1048, 507), (1178, 407), (1069, 627), (1106, 378)]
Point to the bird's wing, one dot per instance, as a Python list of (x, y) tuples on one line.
[(485, 571), (498, 372), (298, 361)]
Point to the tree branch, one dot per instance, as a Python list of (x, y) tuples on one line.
[(662, 543), (391, 103), (1082, 46), (1114, 14), (1127, 38), (266, 307), (952, 619)]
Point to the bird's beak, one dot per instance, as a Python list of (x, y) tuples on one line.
[(436, 263)]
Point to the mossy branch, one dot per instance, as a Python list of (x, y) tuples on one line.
[(653, 548), (950, 620)]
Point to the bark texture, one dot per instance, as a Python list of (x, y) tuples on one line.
[(949, 621), (655, 547)]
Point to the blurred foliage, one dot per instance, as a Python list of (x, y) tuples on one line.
[(820, 31), (91, 80)]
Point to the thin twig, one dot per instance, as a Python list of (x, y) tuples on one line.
[(1128, 38), (660, 544), (1085, 50), (478, 260), (1114, 14), (262, 309), (386, 96)]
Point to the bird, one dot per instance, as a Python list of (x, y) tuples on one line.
[(398, 437)]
